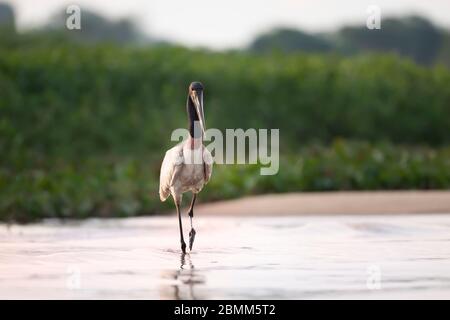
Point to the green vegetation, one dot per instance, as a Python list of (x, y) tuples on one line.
[(83, 129), (128, 186), (75, 99), (413, 37)]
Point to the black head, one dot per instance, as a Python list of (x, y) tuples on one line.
[(195, 107), (196, 86)]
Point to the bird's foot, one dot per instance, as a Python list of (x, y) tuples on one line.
[(191, 238), (183, 246)]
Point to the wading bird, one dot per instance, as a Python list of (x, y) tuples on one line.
[(188, 165)]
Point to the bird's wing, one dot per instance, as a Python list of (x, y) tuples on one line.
[(171, 165), (207, 164)]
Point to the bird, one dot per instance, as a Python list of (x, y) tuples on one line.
[(187, 167)]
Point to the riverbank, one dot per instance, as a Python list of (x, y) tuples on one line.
[(332, 203)]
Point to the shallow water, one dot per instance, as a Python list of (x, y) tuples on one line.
[(366, 257)]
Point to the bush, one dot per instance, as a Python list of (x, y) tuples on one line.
[(83, 128)]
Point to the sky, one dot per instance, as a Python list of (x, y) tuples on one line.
[(232, 23)]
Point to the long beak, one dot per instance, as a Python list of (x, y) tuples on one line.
[(197, 98)]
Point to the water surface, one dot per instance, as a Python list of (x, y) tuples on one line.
[(337, 257)]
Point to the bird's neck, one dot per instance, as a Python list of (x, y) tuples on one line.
[(195, 132), (194, 143)]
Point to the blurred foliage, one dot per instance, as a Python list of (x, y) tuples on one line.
[(290, 40), (83, 129), (343, 165), (70, 100), (7, 17), (413, 37), (128, 186)]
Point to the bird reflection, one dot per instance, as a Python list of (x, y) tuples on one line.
[(182, 281)]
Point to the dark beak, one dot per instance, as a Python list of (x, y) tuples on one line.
[(197, 98)]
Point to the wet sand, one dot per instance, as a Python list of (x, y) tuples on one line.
[(332, 203), (287, 257)]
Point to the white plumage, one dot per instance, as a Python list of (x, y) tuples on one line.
[(178, 175)]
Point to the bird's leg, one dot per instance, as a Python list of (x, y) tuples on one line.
[(191, 215), (177, 205)]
